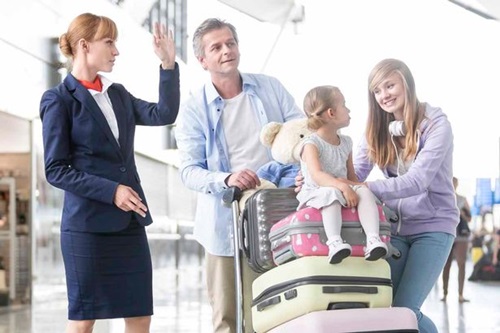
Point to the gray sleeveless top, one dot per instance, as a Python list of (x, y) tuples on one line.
[(333, 158), (334, 161)]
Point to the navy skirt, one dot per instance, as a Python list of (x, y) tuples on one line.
[(108, 275)]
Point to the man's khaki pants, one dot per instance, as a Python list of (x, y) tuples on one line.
[(222, 293)]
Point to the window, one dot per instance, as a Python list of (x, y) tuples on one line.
[(172, 13)]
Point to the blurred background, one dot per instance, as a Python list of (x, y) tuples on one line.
[(449, 45)]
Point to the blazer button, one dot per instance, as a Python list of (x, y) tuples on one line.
[(123, 169)]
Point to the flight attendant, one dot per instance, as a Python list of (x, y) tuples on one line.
[(88, 134)]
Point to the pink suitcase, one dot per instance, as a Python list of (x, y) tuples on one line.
[(394, 319), (302, 234)]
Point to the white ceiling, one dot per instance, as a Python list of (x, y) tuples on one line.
[(273, 11), (279, 11)]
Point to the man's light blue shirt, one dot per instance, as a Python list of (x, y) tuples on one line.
[(204, 159)]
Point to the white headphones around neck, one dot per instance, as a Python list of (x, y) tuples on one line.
[(397, 128)]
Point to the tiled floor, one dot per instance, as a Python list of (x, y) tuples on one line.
[(181, 306)]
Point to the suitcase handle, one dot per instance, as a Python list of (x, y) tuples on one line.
[(390, 215), (393, 252), (347, 305), (350, 289), (268, 302), (242, 232)]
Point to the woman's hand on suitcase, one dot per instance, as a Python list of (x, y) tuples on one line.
[(244, 179)]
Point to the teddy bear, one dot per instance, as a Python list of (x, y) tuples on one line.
[(284, 141)]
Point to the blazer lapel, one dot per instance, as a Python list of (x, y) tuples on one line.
[(86, 99), (121, 116)]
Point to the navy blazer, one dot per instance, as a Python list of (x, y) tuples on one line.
[(83, 158)]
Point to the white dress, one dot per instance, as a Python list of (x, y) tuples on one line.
[(334, 161)]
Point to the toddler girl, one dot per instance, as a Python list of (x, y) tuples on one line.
[(329, 178)]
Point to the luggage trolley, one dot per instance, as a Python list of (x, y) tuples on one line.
[(268, 206), (231, 198), (251, 228)]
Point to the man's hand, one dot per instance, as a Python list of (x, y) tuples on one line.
[(128, 200), (244, 180)]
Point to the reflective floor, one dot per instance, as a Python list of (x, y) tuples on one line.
[(181, 305)]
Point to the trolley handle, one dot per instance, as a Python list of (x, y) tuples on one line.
[(231, 194), (230, 198)]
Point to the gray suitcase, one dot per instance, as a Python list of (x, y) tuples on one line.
[(262, 210)]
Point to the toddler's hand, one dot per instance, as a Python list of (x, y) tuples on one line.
[(350, 196), (299, 181)]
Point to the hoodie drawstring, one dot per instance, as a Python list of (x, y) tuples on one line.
[(400, 163)]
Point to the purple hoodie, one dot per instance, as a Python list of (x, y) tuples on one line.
[(424, 196)]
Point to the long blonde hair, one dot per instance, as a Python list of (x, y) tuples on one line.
[(317, 101), (381, 150)]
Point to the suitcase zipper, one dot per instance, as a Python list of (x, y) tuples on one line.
[(315, 227), (320, 279), (312, 228)]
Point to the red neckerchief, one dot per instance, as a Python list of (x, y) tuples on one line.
[(96, 85)]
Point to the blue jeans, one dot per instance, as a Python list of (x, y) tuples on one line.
[(414, 274)]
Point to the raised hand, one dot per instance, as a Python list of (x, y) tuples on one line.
[(164, 46)]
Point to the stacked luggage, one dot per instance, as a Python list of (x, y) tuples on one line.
[(302, 234), (311, 284), (299, 289)]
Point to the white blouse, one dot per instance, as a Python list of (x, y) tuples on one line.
[(104, 103)]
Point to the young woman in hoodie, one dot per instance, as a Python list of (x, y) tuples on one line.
[(412, 144)]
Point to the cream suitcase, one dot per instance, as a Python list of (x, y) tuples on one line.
[(310, 284)]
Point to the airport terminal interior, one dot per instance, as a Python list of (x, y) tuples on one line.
[(32, 282)]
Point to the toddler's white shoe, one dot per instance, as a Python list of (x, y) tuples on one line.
[(338, 250), (375, 249)]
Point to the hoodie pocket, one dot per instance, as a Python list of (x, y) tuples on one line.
[(418, 207)]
